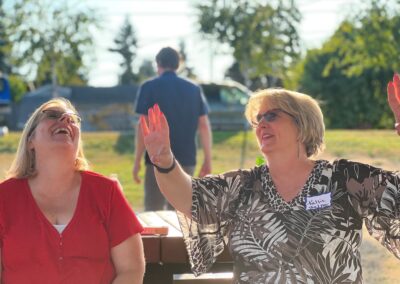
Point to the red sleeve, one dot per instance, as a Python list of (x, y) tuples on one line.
[(1, 215), (123, 222), (1, 226)]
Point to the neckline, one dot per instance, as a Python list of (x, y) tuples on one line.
[(269, 183), (44, 218)]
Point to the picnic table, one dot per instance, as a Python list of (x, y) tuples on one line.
[(166, 253)]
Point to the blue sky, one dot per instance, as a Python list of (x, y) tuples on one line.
[(160, 23)]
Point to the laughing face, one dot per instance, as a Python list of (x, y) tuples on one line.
[(58, 128)]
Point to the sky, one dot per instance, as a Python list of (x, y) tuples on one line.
[(160, 23)]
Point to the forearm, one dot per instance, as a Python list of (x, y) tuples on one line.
[(140, 148), (205, 137), (176, 186), (129, 277), (128, 260)]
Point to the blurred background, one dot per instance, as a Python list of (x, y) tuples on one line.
[(97, 53)]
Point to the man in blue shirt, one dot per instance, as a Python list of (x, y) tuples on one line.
[(185, 108)]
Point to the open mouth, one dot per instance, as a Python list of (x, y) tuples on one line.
[(62, 130), (266, 136)]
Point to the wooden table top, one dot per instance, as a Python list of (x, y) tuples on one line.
[(168, 248)]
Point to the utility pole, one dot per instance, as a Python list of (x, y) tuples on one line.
[(54, 92), (211, 58)]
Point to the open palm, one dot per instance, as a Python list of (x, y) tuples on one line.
[(393, 91), (156, 136)]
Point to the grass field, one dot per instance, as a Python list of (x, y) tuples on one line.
[(112, 153)]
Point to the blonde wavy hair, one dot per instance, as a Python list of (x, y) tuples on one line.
[(23, 165), (305, 110)]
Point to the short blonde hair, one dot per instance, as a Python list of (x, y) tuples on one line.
[(23, 165), (305, 109)]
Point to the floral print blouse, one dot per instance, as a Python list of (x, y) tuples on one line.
[(314, 238)]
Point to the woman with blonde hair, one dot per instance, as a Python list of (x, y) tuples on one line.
[(294, 219), (60, 222)]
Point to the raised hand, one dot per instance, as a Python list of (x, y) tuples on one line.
[(393, 91), (156, 137)]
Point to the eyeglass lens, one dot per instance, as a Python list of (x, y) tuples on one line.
[(56, 115), (268, 116)]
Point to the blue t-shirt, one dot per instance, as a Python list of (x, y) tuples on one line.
[(182, 102)]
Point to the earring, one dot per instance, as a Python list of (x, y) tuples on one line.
[(32, 158), (298, 150)]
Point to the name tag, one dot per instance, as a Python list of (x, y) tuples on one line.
[(319, 201)]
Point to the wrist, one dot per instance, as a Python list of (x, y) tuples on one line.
[(397, 127), (165, 170)]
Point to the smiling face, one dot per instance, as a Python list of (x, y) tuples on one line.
[(276, 131), (58, 128)]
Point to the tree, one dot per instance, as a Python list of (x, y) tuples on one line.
[(18, 87), (146, 70), (185, 69), (50, 39), (263, 35), (4, 44), (350, 72), (126, 46)]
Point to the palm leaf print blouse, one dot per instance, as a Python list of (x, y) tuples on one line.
[(315, 238)]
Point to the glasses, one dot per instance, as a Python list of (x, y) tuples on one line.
[(270, 116), (58, 115)]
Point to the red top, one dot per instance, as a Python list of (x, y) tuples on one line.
[(32, 250)]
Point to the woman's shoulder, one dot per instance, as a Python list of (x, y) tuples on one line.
[(349, 164), (97, 180), (11, 183), (10, 188), (95, 176), (247, 171)]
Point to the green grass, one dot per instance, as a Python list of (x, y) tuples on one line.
[(368, 143), (113, 152)]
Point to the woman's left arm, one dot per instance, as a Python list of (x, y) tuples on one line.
[(128, 260), (393, 94)]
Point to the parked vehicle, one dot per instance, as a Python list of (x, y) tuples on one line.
[(227, 103), (5, 108), (112, 108)]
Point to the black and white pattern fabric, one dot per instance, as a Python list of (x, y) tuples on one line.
[(315, 238)]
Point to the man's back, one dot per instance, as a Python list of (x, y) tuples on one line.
[(185, 108), (183, 103)]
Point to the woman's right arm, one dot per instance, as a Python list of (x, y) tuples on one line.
[(175, 185)]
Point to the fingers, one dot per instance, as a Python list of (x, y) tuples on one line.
[(157, 110), (152, 119), (205, 170), (163, 121), (391, 94), (154, 115), (137, 179), (143, 126), (395, 86), (157, 113)]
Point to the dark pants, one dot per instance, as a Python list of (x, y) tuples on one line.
[(153, 198)]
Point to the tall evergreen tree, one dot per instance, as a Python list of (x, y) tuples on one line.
[(126, 46)]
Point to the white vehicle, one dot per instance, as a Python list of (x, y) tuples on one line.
[(227, 103)]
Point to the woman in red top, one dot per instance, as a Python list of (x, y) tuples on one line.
[(59, 222)]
